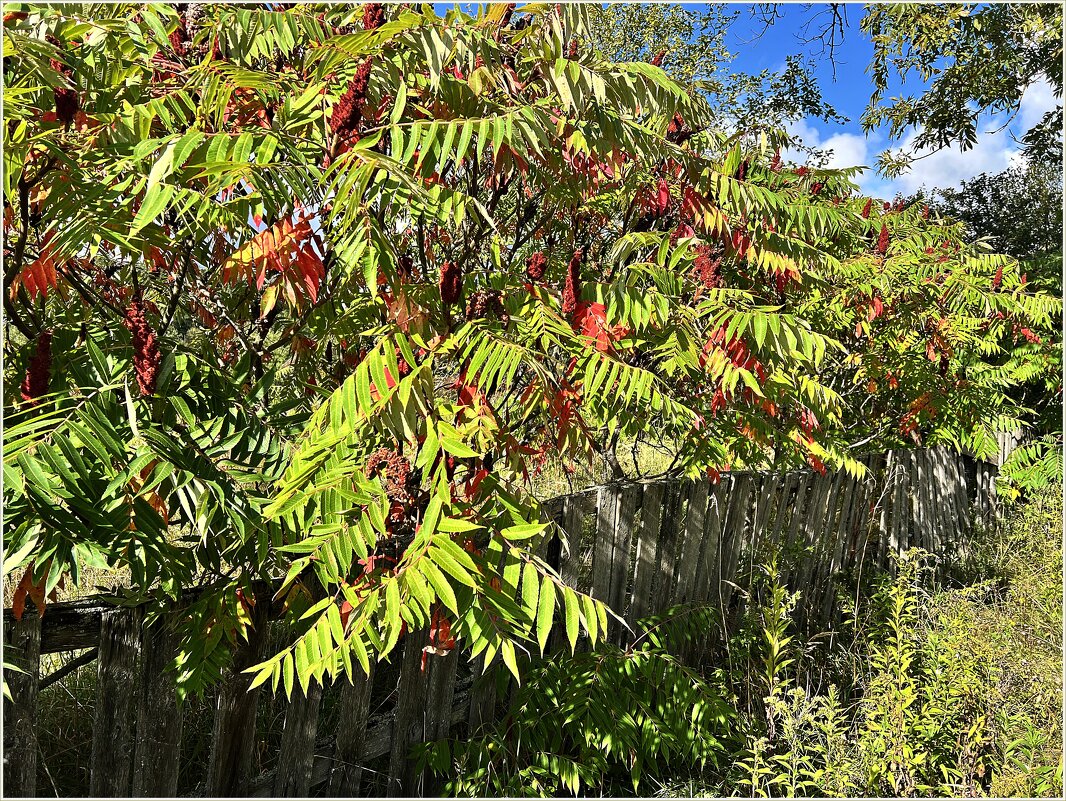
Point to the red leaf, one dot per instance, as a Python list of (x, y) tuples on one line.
[(286, 248), (39, 275), (591, 320)]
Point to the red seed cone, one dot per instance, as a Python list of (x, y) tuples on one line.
[(882, 240), (572, 289), (178, 37), (373, 16), (507, 14), (536, 265), (67, 101), (866, 208), (998, 280), (146, 355), (348, 113), (657, 60), (451, 283), (775, 165), (38, 373), (396, 472), (707, 268)]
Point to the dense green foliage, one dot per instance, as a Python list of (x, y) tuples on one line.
[(315, 292), (926, 691)]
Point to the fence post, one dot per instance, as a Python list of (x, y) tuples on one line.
[(22, 649), (159, 718), (233, 736), (423, 708), (116, 689), (354, 706)]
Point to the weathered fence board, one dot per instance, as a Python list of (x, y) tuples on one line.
[(639, 546), (159, 717), (22, 650), (116, 683), (346, 773), (233, 736)]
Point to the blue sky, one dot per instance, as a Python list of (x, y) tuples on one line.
[(849, 91)]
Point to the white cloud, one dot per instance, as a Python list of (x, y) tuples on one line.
[(995, 149)]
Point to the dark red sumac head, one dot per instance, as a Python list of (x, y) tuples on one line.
[(451, 283)]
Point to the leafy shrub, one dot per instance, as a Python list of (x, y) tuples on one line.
[(606, 721)]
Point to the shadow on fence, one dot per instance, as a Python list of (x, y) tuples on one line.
[(642, 547)]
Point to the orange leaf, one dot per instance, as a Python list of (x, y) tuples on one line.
[(286, 248)]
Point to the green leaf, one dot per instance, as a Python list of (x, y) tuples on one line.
[(545, 612), (572, 614)]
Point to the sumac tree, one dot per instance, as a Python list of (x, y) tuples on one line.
[(315, 292)]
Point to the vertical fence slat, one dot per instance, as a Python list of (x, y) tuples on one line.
[(410, 694), (622, 572), (116, 683), (297, 753), (646, 565), (156, 757), (22, 649), (662, 590), (423, 709), (233, 732), (607, 500), (706, 589), (346, 773), (692, 540), (732, 537)]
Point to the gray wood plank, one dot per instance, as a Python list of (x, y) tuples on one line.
[(607, 501), (707, 569), (233, 733), (692, 539), (22, 648), (733, 534), (410, 696), (646, 565), (346, 771), (624, 556), (116, 684), (157, 753), (297, 751), (423, 711)]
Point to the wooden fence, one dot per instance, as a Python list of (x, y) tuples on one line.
[(640, 546)]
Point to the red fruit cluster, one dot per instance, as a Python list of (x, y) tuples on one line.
[(572, 289), (35, 384), (657, 60), (925, 212), (742, 170), (178, 37), (866, 208), (451, 283), (485, 303), (373, 16), (67, 101), (998, 280), (816, 187), (348, 113), (146, 356), (707, 268), (507, 14), (395, 471), (882, 240), (536, 265), (775, 165)]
